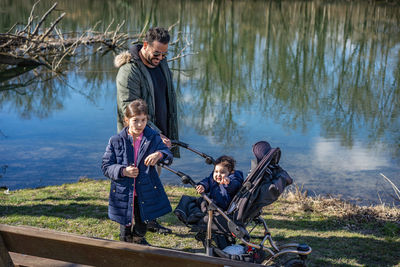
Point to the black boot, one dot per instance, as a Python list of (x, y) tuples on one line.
[(140, 240), (154, 226), (125, 233)]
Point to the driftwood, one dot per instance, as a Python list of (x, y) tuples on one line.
[(29, 46), (34, 46)]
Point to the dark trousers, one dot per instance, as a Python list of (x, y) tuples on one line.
[(138, 229)]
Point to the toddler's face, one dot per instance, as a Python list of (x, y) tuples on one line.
[(137, 124), (221, 174)]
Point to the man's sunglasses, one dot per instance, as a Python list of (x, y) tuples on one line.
[(157, 54)]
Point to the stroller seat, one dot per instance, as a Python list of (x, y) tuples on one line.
[(263, 186)]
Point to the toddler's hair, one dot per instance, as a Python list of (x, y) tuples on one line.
[(226, 161)]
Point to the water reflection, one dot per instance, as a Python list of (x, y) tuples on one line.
[(325, 72), (330, 154), (299, 59)]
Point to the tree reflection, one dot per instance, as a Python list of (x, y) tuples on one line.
[(33, 96), (334, 63)]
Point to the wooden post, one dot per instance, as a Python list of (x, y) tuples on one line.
[(5, 259)]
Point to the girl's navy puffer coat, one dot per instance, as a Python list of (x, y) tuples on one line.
[(153, 201)]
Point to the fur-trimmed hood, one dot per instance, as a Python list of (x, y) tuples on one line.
[(127, 56), (122, 59)]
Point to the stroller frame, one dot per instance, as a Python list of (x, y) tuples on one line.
[(271, 253)]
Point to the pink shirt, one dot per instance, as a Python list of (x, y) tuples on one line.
[(136, 146)]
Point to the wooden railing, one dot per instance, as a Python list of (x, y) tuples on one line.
[(29, 246)]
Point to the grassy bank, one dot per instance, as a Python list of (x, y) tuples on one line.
[(340, 234)]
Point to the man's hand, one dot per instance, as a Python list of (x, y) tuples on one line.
[(130, 171), (153, 158), (166, 140)]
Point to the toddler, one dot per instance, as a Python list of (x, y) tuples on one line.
[(223, 183)]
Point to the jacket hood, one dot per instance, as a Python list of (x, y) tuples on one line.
[(127, 56)]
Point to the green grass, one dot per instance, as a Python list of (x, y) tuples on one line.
[(340, 234)]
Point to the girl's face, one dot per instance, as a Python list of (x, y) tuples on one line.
[(221, 173), (136, 124)]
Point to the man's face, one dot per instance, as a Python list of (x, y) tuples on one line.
[(155, 52)]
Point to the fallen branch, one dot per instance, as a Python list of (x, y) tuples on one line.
[(51, 47)]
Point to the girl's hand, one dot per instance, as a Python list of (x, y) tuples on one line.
[(130, 171), (153, 158), (200, 189)]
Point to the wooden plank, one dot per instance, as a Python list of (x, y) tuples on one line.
[(31, 261), (99, 252), (5, 259)]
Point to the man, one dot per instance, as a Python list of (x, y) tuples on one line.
[(144, 73)]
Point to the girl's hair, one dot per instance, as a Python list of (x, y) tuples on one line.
[(226, 161), (136, 107)]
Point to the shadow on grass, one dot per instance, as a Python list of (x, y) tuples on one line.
[(74, 199), (69, 211)]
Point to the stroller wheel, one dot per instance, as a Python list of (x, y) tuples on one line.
[(295, 263)]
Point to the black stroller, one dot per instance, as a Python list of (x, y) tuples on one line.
[(219, 230)]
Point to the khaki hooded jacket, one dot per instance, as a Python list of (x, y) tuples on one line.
[(134, 82)]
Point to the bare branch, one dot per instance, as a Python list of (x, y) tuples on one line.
[(143, 30), (6, 44), (95, 25), (35, 31), (52, 26), (15, 24), (109, 25), (60, 36), (30, 19), (395, 188), (173, 25), (181, 56)]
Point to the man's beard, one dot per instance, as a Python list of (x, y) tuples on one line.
[(148, 59)]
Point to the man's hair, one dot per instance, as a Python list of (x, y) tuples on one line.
[(226, 161), (136, 107), (157, 34)]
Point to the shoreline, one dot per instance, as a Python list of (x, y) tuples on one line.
[(310, 193)]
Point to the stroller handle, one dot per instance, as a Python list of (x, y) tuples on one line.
[(186, 179), (209, 160)]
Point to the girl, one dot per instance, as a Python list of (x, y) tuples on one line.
[(136, 194)]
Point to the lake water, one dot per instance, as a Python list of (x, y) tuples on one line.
[(319, 79)]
